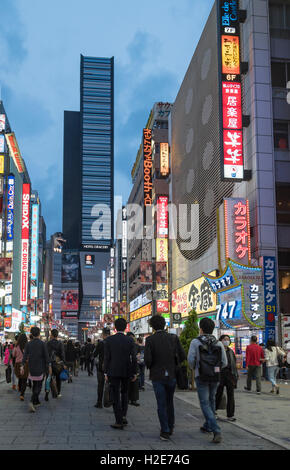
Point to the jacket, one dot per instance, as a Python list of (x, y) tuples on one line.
[(120, 356), (254, 354), (161, 354), (193, 356), (8, 356), (38, 359), (272, 356), (231, 367), (89, 351), (55, 346), (100, 352), (70, 354)]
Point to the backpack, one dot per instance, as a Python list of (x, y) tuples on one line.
[(210, 361)]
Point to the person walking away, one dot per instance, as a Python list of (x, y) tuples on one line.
[(70, 357), (57, 357), (254, 358), (38, 364), (18, 352), (120, 366), (99, 354), (77, 360), (207, 357), (8, 361), (141, 363), (133, 390), (162, 354), (89, 356), (82, 357), (229, 378), (272, 353)]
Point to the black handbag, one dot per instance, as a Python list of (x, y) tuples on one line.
[(8, 373), (107, 396)]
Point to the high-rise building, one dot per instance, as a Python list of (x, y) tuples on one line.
[(88, 179)]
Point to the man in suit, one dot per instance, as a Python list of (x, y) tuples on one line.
[(163, 352), (120, 366)]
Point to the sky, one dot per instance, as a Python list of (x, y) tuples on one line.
[(40, 46)]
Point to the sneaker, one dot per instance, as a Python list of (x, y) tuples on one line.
[(125, 422), (232, 419), (117, 426), (204, 430), (258, 393), (247, 389), (134, 403), (31, 408), (164, 436), (59, 395), (217, 438)]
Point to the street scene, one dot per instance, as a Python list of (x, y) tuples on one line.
[(145, 227)]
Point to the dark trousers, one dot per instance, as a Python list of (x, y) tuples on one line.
[(133, 391), (228, 382), (101, 383), (254, 371), (164, 393), (90, 366), (36, 389), (22, 384), (119, 388), (141, 375)]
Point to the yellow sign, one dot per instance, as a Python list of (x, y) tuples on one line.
[(230, 55), (2, 164), (195, 295), (141, 312), (164, 159), (161, 249)]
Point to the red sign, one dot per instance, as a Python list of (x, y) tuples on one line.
[(237, 230), (232, 105), (233, 154), (162, 217), (24, 243), (15, 152), (162, 306)]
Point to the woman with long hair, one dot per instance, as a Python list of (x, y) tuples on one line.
[(272, 353), (18, 355), (70, 358)]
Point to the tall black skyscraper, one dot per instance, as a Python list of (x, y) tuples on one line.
[(88, 179)]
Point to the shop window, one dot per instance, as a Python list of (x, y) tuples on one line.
[(279, 74), (284, 280), (283, 204), (281, 138)]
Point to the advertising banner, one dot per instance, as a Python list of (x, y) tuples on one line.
[(70, 268), (237, 230), (2, 164), (2, 122), (69, 300), (34, 250), (161, 250), (146, 272), (141, 326), (162, 306), (270, 292), (147, 166), (10, 207), (141, 312), (2, 144), (195, 295), (164, 159), (162, 217), (161, 272), (5, 269), (14, 151), (24, 243)]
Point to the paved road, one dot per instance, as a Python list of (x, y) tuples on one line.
[(72, 422)]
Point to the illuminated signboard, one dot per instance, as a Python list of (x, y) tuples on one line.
[(2, 163), (164, 159), (147, 162), (15, 152), (162, 217), (146, 272), (141, 312), (10, 208), (237, 230), (24, 243), (232, 157), (2, 144), (240, 295), (270, 287), (2, 122), (161, 249), (195, 295), (34, 250)]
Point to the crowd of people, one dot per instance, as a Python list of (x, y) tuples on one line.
[(119, 361)]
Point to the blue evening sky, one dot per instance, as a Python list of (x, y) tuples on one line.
[(40, 46)]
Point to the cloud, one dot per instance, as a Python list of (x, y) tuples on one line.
[(12, 38)]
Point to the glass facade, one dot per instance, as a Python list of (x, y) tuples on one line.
[(97, 149)]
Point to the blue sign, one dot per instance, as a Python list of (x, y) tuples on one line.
[(223, 282), (10, 208), (270, 289), (230, 308)]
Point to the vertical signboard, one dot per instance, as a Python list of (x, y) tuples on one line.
[(24, 243), (164, 159), (34, 250), (232, 157), (147, 169), (270, 289), (237, 230), (10, 208), (162, 217)]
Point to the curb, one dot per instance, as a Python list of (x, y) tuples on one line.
[(240, 425)]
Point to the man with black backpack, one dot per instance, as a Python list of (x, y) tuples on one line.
[(163, 354), (56, 353), (207, 356)]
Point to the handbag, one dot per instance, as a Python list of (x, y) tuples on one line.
[(64, 375), (280, 359), (223, 403), (107, 396), (8, 373)]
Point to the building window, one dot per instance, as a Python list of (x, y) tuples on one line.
[(280, 74), (283, 204), (284, 280), (279, 16), (281, 135)]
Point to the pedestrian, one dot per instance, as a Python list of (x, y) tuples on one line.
[(141, 363), (120, 366), (254, 358), (272, 353), (89, 356), (38, 364), (229, 378), (70, 357), (133, 390), (162, 354), (57, 357), (207, 357), (82, 357), (8, 361), (99, 354), (18, 355), (77, 360)]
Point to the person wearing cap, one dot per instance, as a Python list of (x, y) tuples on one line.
[(99, 352)]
